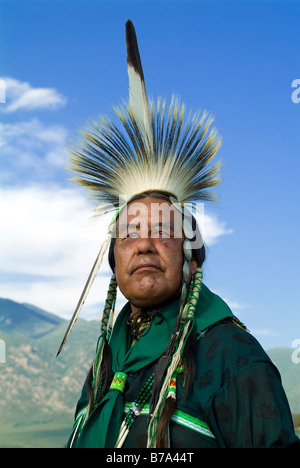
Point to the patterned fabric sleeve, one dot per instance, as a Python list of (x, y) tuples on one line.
[(247, 406), (252, 411)]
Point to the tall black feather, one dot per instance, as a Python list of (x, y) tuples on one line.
[(138, 101), (133, 55)]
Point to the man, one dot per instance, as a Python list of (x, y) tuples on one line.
[(177, 368), (235, 397)]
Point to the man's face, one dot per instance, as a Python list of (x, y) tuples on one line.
[(149, 252)]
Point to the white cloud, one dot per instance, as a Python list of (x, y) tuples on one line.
[(31, 150), (44, 228), (31, 133), (267, 332), (49, 242), (234, 305), (21, 95), (212, 228)]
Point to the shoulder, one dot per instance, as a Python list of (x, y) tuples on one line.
[(225, 353), (228, 341)]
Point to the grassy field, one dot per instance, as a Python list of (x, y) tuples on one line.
[(38, 436)]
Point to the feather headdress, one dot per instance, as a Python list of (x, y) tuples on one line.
[(151, 149)]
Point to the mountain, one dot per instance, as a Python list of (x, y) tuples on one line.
[(26, 319), (39, 392)]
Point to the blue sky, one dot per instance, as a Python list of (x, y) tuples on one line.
[(65, 61)]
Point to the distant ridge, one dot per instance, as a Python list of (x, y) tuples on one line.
[(26, 319)]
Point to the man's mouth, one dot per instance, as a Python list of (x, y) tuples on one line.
[(145, 267)]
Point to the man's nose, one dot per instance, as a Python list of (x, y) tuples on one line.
[(145, 245)]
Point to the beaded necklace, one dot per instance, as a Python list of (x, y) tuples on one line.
[(140, 323)]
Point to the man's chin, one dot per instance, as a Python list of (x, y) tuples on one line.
[(145, 302), (148, 299), (150, 291), (152, 300)]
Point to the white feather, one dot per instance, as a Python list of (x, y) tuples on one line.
[(87, 288), (138, 104)]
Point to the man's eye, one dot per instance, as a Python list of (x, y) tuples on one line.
[(133, 234), (160, 234), (128, 234)]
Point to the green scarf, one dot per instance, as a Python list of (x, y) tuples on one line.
[(102, 428)]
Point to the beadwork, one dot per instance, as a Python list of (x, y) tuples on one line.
[(134, 411), (119, 382)]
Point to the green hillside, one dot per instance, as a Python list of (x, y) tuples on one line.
[(26, 319), (39, 391), (290, 374)]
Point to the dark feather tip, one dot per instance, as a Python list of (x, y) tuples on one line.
[(133, 55)]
